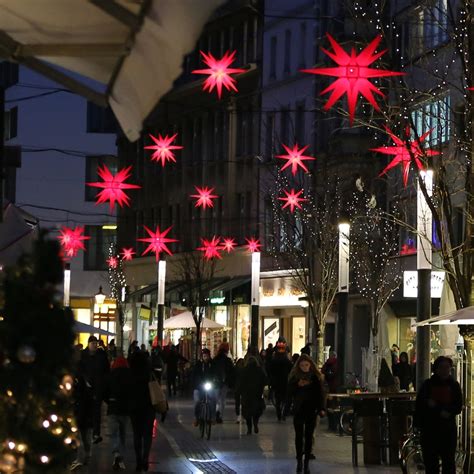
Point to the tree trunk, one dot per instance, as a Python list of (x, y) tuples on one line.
[(197, 347), (319, 348)]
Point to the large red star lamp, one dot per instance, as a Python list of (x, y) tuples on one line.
[(211, 248), (295, 158), (228, 244), (204, 197), (127, 253), (71, 240), (163, 149), (353, 74), (157, 241), (292, 199), (113, 187), (253, 244), (219, 72), (404, 152)]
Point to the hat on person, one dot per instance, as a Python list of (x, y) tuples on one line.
[(281, 346), (92, 339)]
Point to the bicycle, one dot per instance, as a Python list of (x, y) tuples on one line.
[(205, 418), (346, 419)]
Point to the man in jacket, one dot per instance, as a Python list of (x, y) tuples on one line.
[(94, 367), (279, 370), (224, 372), (203, 372)]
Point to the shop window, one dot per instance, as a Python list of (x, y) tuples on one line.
[(92, 163), (97, 247)]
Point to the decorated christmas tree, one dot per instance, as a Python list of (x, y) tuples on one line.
[(37, 432)]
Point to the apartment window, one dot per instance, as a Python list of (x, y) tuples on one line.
[(157, 217), (284, 124), (92, 163), (269, 135), (11, 123), (97, 247), (435, 25), (268, 224), (211, 131), (435, 116), (287, 68), (300, 123), (273, 57), (302, 45), (197, 140)]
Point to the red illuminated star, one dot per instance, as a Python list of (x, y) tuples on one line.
[(219, 72), (228, 244), (405, 152), (295, 158), (253, 245), (112, 262), (71, 240), (157, 241), (127, 253), (353, 74), (292, 199), (163, 148), (211, 248), (113, 186), (204, 197), (470, 88)]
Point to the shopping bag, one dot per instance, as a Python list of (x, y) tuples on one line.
[(157, 395)]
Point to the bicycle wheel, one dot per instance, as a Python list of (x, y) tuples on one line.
[(414, 462), (203, 419)]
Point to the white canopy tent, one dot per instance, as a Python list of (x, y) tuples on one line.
[(135, 48), (462, 316), (185, 321)]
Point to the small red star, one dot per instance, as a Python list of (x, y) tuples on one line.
[(128, 253), (353, 74), (71, 240), (157, 241), (295, 158), (228, 244), (470, 88), (219, 72), (112, 262), (204, 197), (292, 199), (404, 152), (211, 248), (163, 148), (113, 186), (253, 245)]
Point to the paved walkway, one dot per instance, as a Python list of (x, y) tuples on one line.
[(178, 448)]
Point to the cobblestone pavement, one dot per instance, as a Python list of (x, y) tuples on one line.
[(179, 449)]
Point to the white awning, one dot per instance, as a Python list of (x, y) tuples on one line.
[(462, 316), (185, 321), (135, 48)]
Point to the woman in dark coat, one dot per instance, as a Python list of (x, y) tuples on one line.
[(250, 386), (142, 411), (402, 370), (305, 390)]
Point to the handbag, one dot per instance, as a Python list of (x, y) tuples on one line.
[(157, 395)]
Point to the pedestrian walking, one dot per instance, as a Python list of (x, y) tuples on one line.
[(280, 368), (438, 402), (172, 361), (403, 371), (224, 374), (306, 392), (118, 394), (252, 381), (157, 363), (142, 411), (239, 365), (94, 367)]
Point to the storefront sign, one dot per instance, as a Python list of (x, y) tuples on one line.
[(217, 300), (410, 284)]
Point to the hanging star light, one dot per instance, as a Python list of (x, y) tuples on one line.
[(253, 244), (353, 74), (71, 240), (295, 158), (405, 152), (113, 186), (228, 244), (211, 248), (219, 72), (292, 199), (127, 253), (157, 241), (163, 148), (204, 197), (112, 262)]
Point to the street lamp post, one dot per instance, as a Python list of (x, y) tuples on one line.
[(343, 294), (160, 308), (423, 265), (255, 299), (67, 286)]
